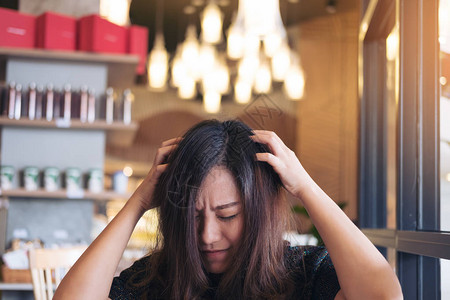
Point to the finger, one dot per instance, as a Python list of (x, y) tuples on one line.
[(271, 140), (160, 169), (163, 153), (270, 134), (171, 141), (270, 159)]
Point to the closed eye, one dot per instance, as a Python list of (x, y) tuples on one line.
[(229, 218)]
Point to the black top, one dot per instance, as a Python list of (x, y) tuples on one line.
[(311, 267)]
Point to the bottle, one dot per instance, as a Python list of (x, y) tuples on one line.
[(57, 103), (109, 114), (83, 104), (49, 103), (11, 99), (32, 101), (18, 102), (91, 106), (67, 102), (39, 101), (126, 106)]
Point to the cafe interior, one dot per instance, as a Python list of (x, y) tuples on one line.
[(358, 89)]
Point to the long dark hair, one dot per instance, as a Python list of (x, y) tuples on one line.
[(258, 271)]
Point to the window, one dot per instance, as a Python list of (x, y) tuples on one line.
[(404, 164)]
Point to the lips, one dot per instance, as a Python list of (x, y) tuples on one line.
[(211, 254)]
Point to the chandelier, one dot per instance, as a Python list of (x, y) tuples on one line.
[(257, 48)]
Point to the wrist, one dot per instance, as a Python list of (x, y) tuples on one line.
[(135, 204)]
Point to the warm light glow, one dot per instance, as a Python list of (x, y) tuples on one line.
[(444, 25), (211, 102), (187, 88), (217, 80), (242, 91), (248, 66), (179, 70), (190, 51), (207, 59), (294, 84), (115, 11), (251, 45), (392, 42), (158, 63), (281, 62), (448, 177), (263, 79), (260, 17), (212, 24), (222, 77), (443, 80), (235, 43), (127, 171), (271, 44)]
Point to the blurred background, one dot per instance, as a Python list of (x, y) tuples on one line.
[(357, 88)]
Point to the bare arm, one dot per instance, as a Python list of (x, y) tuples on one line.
[(362, 271), (92, 274)]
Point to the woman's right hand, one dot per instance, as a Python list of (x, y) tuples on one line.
[(144, 193)]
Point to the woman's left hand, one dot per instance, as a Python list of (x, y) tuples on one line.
[(284, 161)]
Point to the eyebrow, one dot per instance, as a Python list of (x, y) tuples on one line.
[(224, 206)]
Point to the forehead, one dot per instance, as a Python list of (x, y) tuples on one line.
[(218, 188)]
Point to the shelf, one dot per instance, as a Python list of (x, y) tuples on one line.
[(16, 286), (78, 56), (63, 194), (73, 124), (121, 67)]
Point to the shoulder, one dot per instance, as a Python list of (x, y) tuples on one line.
[(126, 285), (313, 272), (307, 256)]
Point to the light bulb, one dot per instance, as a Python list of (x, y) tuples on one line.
[(271, 43), (281, 62), (248, 66), (211, 101), (190, 51), (158, 63), (187, 88), (242, 91), (179, 70), (235, 43), (207, 59), (212, 24), (263, 79), (294, 84), (128, 171)]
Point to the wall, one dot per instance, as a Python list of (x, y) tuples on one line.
[(328, 116)]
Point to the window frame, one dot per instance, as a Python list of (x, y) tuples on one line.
[(417, 239)]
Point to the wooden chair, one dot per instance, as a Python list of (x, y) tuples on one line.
[(48, 267)]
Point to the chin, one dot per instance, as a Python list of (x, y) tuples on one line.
[(215, 269)]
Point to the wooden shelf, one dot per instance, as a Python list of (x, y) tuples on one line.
[(16, 286), (63, 194), (73, 124), (78, 56)]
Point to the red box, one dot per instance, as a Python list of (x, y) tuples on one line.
[(138, 45), (56, 32), (16, 29), (96, 34)]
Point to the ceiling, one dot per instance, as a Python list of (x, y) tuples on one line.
[(143, 12)]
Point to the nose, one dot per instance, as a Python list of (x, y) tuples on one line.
[(209, 231)]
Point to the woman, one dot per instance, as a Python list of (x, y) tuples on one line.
[(222, 216)]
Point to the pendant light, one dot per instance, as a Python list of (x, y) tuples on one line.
[(158, 59), (212, 20), (260, 18), (294, 83)]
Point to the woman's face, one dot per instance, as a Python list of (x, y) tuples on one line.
[(219, 219)]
